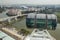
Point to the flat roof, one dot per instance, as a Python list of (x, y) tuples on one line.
[(5, 36)]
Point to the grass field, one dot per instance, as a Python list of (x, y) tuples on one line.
[(58, 16)]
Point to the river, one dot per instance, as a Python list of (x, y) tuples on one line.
[(22, 24), (3, 15)]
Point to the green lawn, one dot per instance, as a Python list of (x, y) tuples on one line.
[(58, 16)]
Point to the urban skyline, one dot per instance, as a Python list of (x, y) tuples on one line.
[(35, 2)]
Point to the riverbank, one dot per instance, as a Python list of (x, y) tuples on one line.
[(22, 25), (12, 33)]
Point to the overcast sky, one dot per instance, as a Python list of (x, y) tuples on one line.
[(39, 2)]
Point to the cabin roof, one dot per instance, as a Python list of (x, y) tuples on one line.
[(42, 16)]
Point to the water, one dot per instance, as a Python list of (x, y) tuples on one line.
[(5, 36), (3, 15), (22, 24), (56, 33)]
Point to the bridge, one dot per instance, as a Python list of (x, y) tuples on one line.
[(11, 17)]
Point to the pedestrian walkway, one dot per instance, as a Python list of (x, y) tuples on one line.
[(11, 32)]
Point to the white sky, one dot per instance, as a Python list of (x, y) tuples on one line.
[(39, 2)]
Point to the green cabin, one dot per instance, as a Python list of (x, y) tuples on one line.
[(39, 20)]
